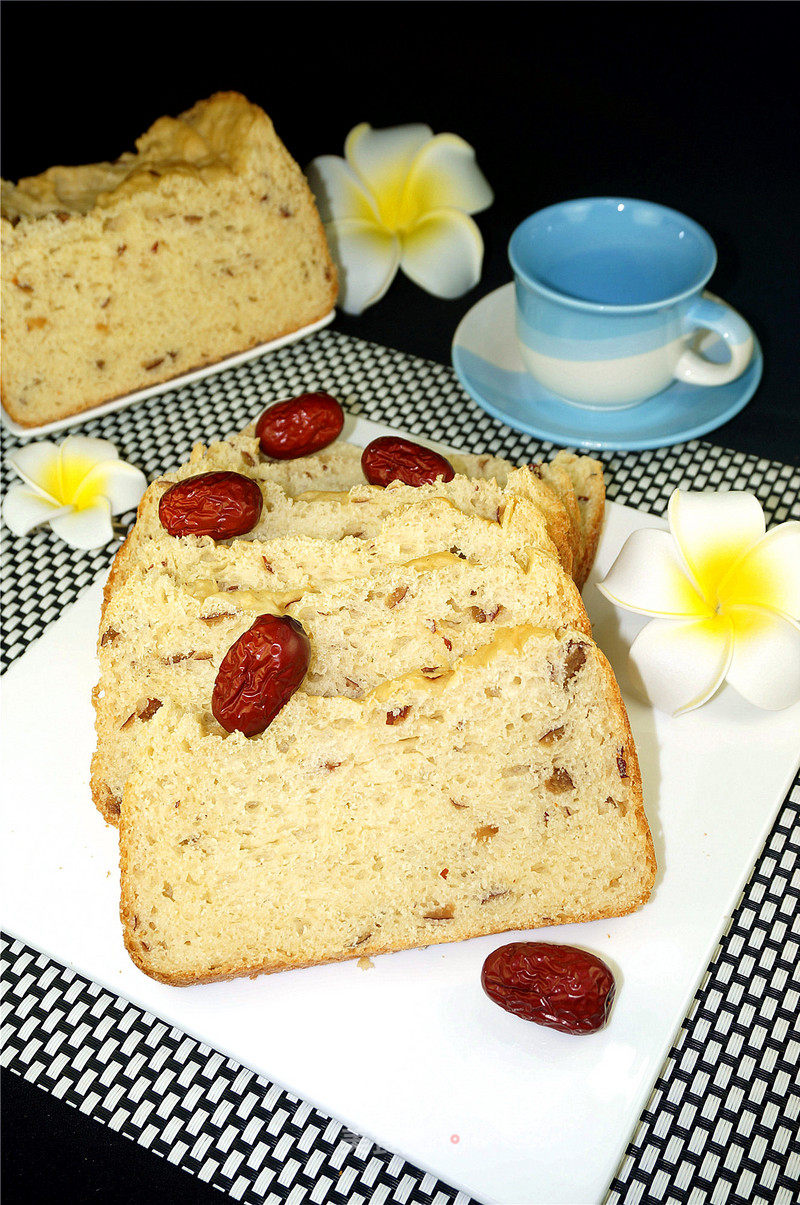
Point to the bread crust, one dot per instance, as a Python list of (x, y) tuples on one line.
[(590, 492), (363, 951), (106, 802)]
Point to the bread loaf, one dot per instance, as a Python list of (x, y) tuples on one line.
[(118, 276)]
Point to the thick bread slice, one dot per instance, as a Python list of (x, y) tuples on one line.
[(331, 515), (337, 470), (504, 794), (590, 493), (581, 492), (164, 641)]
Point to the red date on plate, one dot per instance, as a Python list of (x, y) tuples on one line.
[(560, 986), (220, 505), (392, 458), (300, 426), (259, 674)]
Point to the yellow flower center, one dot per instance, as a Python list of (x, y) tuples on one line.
[(726, 579), (74, 482), (398, 211)]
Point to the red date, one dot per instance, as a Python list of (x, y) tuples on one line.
[(392, 458), (259, 674), (220, 505), (300, 426), (560, 986)]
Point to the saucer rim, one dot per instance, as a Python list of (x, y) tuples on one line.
[(606, 443)]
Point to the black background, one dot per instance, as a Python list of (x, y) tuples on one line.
[(692, 105)]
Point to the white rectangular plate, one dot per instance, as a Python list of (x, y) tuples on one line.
[(141, 395), (411, 1052)]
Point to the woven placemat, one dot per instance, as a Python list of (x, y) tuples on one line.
[(722, 1122)]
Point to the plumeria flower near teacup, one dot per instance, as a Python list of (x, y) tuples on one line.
[(724, 597), (75, 487), (401, 198)]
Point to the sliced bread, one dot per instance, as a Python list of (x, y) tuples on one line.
[(164, 640), (338, 470), (503, 794)]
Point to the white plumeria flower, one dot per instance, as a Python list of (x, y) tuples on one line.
[(400, 199), (725, 594), (75, 487)]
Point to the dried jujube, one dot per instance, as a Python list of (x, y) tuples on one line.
[(392, 458), (259, 674), (559, 986), (221, 505), (299, 426)]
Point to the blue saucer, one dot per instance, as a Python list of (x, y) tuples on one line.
[(488, 364)]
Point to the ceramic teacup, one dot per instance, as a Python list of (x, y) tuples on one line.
[(610, 306)]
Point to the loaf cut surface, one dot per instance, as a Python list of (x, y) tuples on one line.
[(118, 276)]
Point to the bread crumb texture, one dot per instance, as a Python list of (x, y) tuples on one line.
[(117, 276), (457, 761)]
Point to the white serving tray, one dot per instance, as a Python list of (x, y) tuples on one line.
[(141, 395), (411, 1052)]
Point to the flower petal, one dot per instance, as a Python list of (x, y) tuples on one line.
[(768, 575), (382, 160), (766, 657), (37, 465), (88, 447), (25, 508), (678, 664), (121, 483), (648, 576), (367, 257), (87, 528), (338, 191), (443, 253), (713, 530), (444, 175)]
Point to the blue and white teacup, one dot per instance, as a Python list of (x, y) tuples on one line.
[(610, 303)]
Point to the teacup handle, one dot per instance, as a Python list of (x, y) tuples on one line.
[(709, 313)]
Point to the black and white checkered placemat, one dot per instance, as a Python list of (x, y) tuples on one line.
[(722, 1123)]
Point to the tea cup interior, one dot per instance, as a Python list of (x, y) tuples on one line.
[(611, 253)]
